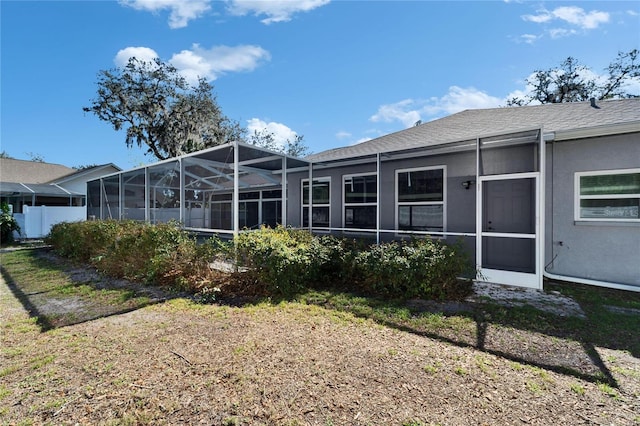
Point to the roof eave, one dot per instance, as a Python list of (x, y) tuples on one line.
[(591, 132)]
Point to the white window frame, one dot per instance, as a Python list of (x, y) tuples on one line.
[(314, 205), (424, 203), (345, 205), (578, 197)]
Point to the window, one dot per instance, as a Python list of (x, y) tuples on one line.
[(360, 201), (221, 211), (612, 195), (420, 195), (254, 209), (271, 207), (321, 202)]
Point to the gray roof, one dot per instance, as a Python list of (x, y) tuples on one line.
[(473, 123), (21, 177), (12, 170)]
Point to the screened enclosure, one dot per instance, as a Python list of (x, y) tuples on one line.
[(222, 190)]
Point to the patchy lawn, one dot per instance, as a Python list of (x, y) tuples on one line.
[(76, 348)]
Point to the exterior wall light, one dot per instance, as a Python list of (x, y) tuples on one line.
[(467, 183)]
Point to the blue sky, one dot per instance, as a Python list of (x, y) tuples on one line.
[(337, 72)]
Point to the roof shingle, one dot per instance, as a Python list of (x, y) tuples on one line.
[(470, 124), (12, 170)]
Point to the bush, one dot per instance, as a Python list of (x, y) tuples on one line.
[(420, 268), (334, 262), (83, 241), (8, 224), (288, 261), (161, 254), (281, 261), (180, 260), (280, 258)]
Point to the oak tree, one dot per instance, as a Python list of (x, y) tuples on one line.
[(574, 82), (160, 110)]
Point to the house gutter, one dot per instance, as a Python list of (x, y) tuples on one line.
[(587, 281), (605, 130)]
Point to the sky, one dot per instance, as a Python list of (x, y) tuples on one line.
[(336, 72)]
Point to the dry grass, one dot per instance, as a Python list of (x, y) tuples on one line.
[(294, 363)]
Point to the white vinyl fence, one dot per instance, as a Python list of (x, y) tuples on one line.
[(36, 222)]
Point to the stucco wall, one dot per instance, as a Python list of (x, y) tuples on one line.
[(603, 251), (460, 202)]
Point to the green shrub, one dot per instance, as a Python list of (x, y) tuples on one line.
[(333, 262), (280, 258), (8, 224), (162, 254), (83, 241), (288, 261), (420, 268), (181, 261), (281, 261)]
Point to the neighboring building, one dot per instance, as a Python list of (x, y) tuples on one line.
[(34, 188), (34, 183), (550, 190)]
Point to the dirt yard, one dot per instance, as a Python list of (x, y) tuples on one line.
[(178, 362)]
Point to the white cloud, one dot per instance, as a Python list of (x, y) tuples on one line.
[(577, 16), (274, 10), (529, 38), (141, 53), (206, 63), (538, 19), (211, 63), (182, 11), (409, 111), (281, 133), (519, 93), (632, 86), (343, 135), (406, 111), (573, 15), (459, 99), (561, 32)]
